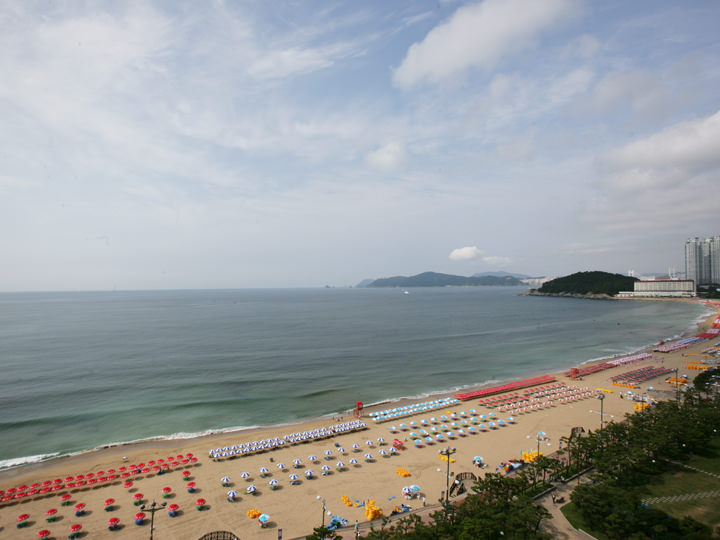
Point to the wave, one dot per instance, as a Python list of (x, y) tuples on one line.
[(25, 460)]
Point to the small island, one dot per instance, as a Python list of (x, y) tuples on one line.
[(594, 284)]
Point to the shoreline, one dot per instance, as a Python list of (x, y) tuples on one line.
[(295, 508), (172, 440), (167, 441)]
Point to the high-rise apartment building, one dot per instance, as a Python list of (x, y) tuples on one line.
[(702, 260)]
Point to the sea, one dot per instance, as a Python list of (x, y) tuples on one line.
[(82, 370)]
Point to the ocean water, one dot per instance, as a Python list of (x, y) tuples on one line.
[(81, 370)]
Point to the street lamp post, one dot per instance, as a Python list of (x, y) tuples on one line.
[(446, 453), (154, 507), (677, 390), (324, 503), (601, 397)]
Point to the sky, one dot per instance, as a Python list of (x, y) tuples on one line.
[(234, 144)]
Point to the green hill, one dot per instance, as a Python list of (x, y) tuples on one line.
[(595, 282), (433, 279)]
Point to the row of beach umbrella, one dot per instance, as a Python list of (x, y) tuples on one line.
[(406, 410), (92, 479), (252, 447)]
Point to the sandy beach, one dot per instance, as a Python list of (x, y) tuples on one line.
[(295, 508)]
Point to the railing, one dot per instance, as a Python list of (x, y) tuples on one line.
[(219, 535)]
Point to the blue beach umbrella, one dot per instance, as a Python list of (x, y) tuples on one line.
[(232, 494)]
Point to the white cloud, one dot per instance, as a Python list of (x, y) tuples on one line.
[(688, 146), (387, 158), (467, 253), (661, 181), (479, 35)]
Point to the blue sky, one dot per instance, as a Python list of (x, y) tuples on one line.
[(220, 144)]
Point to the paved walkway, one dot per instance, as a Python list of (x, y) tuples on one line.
[(559, 527), (714, 475), (683, 497)]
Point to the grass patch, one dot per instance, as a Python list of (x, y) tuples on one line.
[(576, 520), (682, 481)]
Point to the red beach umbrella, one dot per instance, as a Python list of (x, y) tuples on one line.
[(11, 490), (66, 497), (70, 485), (50, 513), (141, 465), (57, 481), (161, 460), (22, 488), (79, 477), (156, 467), (75, 528), (43, 534), (200, 502), (100, 473), (23, 517), (112, 471), (166, 490), (90, 475), (193, 459), (145, 470), (138, 496), (186, 474), (35, 485), (173, 508), (112, 522), (128, 484), (125, 475), (139, 516), (80, 483), (151, 462), (79, 506), (44, 490), (69, 478), (112, 477), (179, 456), (32, 492), (189, 455), (109, 502), (20, 495), (92, 481)]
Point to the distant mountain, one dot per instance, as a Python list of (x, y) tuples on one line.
[(501, 273), (364, 283), (589, 283), (433, 279)]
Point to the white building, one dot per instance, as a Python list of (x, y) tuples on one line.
[(661, 288)]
